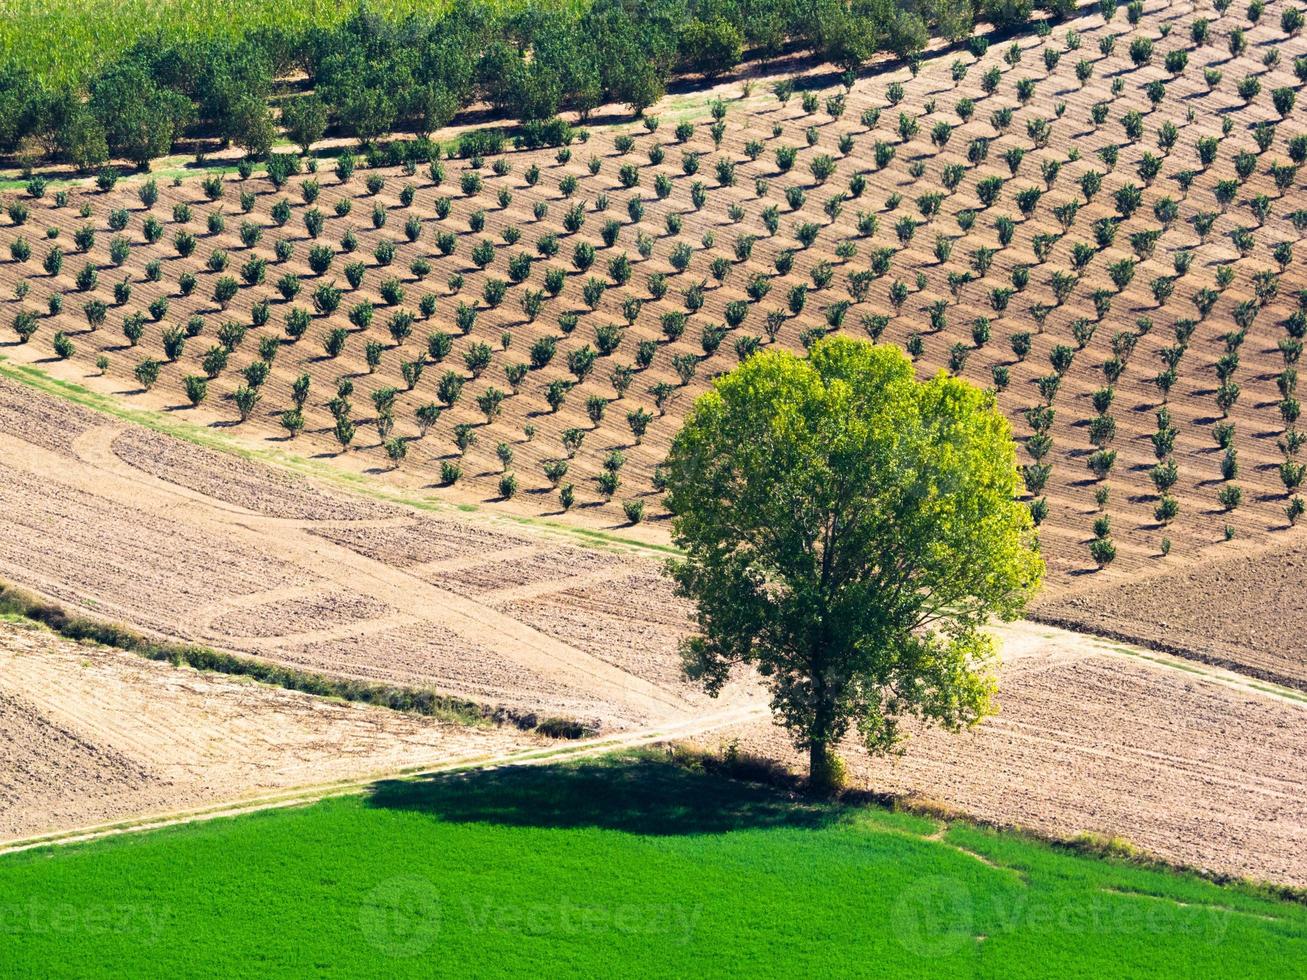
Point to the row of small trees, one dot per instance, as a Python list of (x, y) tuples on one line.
[(794, 300)]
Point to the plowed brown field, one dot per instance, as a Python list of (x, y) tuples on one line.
[(93, 735), (507, 614), (1194, 769)]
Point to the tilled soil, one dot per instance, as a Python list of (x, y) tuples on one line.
[(554, 567), (1244, 610), (40, 760), (426, 655), (288, 616), (122, 562), (420, 541), (1184, 768), (633, 621), (226, 477), (50, 423), (93, 735)]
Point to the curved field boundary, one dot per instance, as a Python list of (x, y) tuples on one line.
[(34, 377), (117, 479), (588, 537), (1288, 683)]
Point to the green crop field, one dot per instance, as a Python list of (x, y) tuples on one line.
[(621, 866), (91, 34)]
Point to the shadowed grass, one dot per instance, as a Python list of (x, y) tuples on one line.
[(619, 867)]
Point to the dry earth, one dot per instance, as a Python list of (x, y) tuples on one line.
[(1190, 762), (297, 574), (91, 735), (1242, 610)]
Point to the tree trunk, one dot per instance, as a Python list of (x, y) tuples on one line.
[(819, 747), (818, 756)]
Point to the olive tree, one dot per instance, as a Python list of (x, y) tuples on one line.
[(305, 120), (849, 531)]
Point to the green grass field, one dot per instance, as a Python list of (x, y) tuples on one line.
[(627, 865), (90, 34)]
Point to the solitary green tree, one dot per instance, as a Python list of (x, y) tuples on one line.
[(849, 531)]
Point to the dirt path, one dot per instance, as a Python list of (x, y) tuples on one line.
[(96, 735), (475, 748), (1030, 645), (1195, 764), (106, 475), (1190, 761)]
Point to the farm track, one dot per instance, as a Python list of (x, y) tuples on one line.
[(463, 640), (110, 477), (1195, 764), (1226, 809)]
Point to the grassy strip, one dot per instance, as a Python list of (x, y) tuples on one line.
[(357, 483), (701, 876), (16, 602)]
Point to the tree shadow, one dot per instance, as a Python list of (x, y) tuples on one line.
[(638, 796)]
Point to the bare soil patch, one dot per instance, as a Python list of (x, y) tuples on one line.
[(227, 477), (420, 541), (287, 616), (549, 570), (120, 562), (426, 655), (633, 621), (54, 425), (101, 735), (1243, 611)]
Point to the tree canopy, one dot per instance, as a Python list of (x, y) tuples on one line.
[(849, 531)]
